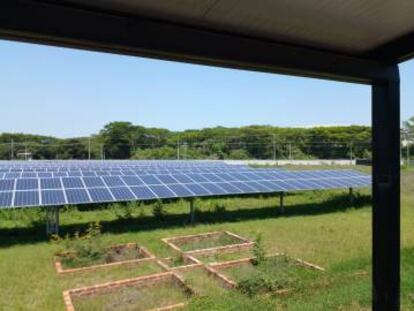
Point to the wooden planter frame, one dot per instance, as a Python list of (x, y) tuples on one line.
[(142, 250), (139, 282)]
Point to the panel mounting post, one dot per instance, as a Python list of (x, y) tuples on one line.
[(351, 196), (52, 220), (386, 192), (192, 212), (282, 205)]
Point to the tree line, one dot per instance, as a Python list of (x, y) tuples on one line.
[(124, 140)]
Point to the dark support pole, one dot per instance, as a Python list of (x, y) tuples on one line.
[(52, 220), (351, 196), (192, 212), (282, 205), (386, 192)]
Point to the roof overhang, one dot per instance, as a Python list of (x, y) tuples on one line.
[(152, 29)]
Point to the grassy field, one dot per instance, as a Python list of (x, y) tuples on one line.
[(317, 226)]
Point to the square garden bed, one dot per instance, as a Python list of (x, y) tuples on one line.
[(163, 291), (276, 274), (180, 262), (207, 242), (111, 256)]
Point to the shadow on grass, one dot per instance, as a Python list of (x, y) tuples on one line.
[(36, 231)]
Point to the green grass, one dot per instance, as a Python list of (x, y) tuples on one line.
[(318, 226)]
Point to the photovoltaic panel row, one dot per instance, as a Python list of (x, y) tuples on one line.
[(114, 193), (111, 164), (255, 173), (78, 190), (77, 182)]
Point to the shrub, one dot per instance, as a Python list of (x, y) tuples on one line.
[(126, 211), (260, 284), (258, 251), (219, 208), (158, 210), (84, 248)]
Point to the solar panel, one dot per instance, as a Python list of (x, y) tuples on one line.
[(122, 194), (100, 195), (77, 196), (77, 182), (26, 198), (53, 197), (6, 199)]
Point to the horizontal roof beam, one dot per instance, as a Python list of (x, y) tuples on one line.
[(48, 23)]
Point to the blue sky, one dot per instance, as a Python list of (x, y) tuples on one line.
[(65, 92)]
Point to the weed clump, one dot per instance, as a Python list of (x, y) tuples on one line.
[(260, 284), (258, 251), (158, 210), (219, 208), (83, 249)]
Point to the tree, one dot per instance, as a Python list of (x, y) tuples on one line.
[(118, 139), (73, 149), (238, 154)]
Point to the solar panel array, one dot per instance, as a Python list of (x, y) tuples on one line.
[(74, 183)]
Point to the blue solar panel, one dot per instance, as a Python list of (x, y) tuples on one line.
[(11, 175), (180, 190), (257, 186), (182, 178), (77, 196), (29, 175), (243, 186), (166, 179), (26, 198), (6, 199), (212, 177), (50, 183), (132, 180), (162, 191), (92, 182), (27, 184), (7, 184), (198, 178), (100, 195), (143, 193), (213, 189), (122, 194), (72, 182), (197, 189), (53, 197), (150, 179), (229, 188), (113, 181), (44, 174)]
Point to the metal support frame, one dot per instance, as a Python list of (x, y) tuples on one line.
[(386, 193), (52, 220), (192, 212)]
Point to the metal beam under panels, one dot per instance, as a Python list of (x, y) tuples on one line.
[(54, 24)]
